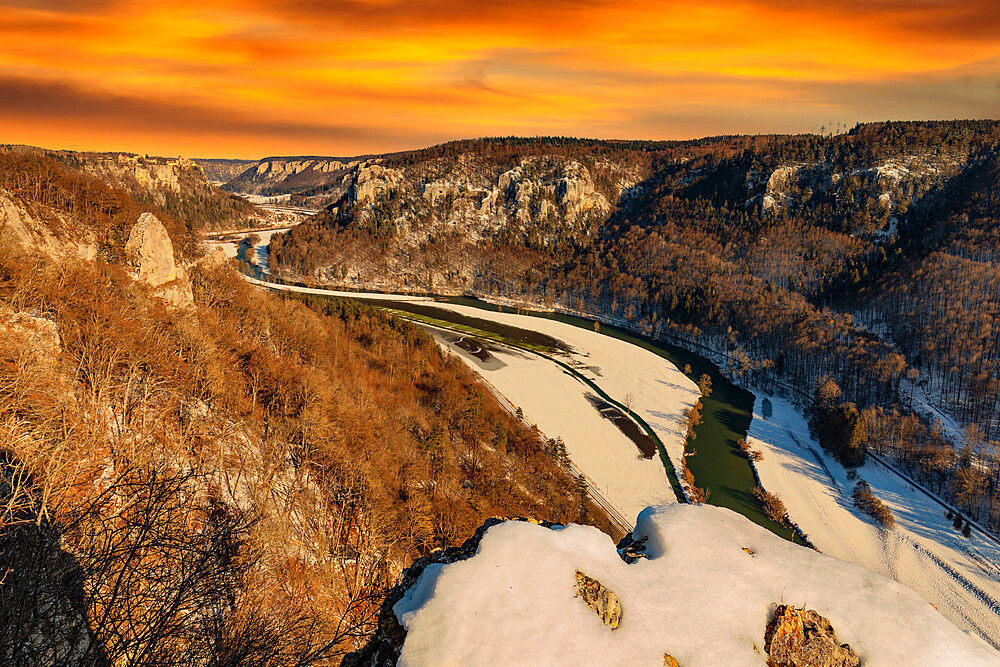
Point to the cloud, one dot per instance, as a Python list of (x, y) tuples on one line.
[(366, 75), (62, 101)]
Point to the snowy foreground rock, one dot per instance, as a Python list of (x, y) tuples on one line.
[(703, 595)]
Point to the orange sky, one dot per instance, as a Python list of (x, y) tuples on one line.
[(248, 78)]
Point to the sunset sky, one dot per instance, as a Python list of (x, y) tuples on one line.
[(249, 78)]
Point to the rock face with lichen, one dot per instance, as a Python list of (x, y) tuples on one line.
[(600, 599), (150, 255), (803, 638)]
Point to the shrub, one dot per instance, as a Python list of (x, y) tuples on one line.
[(868, 503), (774, 508)]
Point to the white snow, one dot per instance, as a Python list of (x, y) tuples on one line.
[(330, 292), (556, 401), (699, 597), (656, 389), (958, 575), (262, 199)]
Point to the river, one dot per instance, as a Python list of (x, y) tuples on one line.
[(713, 455)]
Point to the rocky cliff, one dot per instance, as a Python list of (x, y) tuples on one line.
[(539, 199), (34, 228), (439, 219), (438, 216), (312, 181), (177, 185)]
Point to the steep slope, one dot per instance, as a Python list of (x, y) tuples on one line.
[(175, 185), (311, 181), (228, 477)]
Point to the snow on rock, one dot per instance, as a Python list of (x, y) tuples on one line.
[(699, 597)]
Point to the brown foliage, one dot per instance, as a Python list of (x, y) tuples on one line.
[(285, 456), (868, 503), (774, 508)]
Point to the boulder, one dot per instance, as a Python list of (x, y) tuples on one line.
[(150, 256), (803, 638), (149, 252)]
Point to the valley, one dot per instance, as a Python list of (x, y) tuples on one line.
[(544, 339), (960, 577), (504, 334), (521, 346)]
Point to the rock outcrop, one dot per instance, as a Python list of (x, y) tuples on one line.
[(803, 638), (601, 600), (425, 206), (373, 183), (43, 231), (30, 335), (150, 256), (214, 258)]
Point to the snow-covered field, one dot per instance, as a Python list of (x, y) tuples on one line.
[(961, 577), (654, 388), (557, 402), (327, 292), (958, 575), (699, 597)]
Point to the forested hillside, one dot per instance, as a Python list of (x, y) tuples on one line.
[(235, 481), (313, 182), (863, 264), (177, 186)]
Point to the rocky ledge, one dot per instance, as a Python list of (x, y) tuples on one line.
[(695, 585)]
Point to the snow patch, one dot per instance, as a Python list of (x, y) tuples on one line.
[(699, 597)]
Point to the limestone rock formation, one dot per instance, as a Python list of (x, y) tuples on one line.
[(31, 334), (150, 255), (374, 182), (600, 599), (43, 231), (803, 638), (213, 258)]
